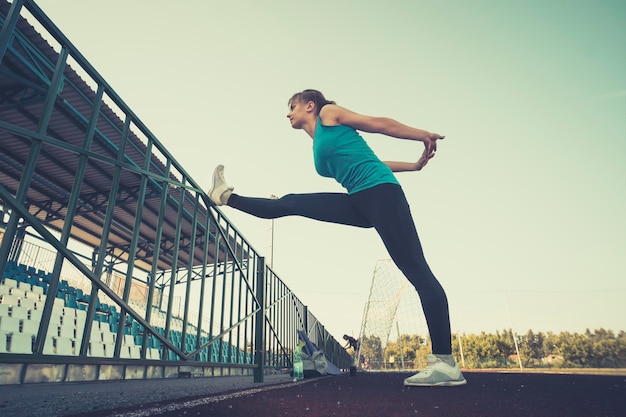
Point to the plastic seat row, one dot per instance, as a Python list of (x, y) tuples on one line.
[(27, 292)]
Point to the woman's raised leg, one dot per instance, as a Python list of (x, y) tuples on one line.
[(326, 207)]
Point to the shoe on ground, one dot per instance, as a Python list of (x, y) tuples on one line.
[(437, 373), (219, 191)]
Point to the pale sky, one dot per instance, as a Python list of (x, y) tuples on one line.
[(526, 196)]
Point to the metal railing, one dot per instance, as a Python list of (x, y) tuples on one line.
[(207, 296)]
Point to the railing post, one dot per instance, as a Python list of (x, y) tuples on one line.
[(9, 26), (259, 331)]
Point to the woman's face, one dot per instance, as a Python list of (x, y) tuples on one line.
[(297, 113)]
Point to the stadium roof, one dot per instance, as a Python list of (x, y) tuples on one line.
[(26, 72)]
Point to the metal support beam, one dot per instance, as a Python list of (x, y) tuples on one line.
[(8, 27), (155, 257), (192, 249), (29, 169), (174, 272), (259, 321)]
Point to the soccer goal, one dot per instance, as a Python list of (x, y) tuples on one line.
[(392, 321)]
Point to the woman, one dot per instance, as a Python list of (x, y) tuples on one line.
[(374, 198)]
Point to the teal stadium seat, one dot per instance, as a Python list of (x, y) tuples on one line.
[(71, 301), (215, 352)]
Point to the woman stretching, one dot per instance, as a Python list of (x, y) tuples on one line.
[(374, 198)]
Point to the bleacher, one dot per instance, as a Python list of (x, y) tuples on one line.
[(23, 290)]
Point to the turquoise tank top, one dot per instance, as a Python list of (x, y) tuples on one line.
[(341, 153)]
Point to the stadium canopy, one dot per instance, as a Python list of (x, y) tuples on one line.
[(89, 120)]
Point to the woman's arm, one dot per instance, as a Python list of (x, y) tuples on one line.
[(397, 166), (332, 114)]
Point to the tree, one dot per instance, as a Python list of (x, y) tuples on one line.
[(598, 349), (372, 351)]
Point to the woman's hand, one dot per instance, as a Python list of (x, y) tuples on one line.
[(421, 163), (430, 147)]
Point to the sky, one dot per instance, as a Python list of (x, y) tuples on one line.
[(522, 211)]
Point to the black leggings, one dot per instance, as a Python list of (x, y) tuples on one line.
[(385, 208)]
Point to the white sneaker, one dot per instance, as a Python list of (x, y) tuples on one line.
[(219, 191), (436, 374)]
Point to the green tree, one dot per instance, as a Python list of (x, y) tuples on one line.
[(576, 349), (598, 349), (372, 351)]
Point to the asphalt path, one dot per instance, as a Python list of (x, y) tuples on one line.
[(368, 394)]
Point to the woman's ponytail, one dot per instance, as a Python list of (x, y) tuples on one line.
[(311, 95)]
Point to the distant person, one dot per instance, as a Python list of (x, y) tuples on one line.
[(374, 198), (351, 343)]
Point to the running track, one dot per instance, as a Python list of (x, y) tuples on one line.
[(374, 394)]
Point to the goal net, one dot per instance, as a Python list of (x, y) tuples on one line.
[(393, 308)]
